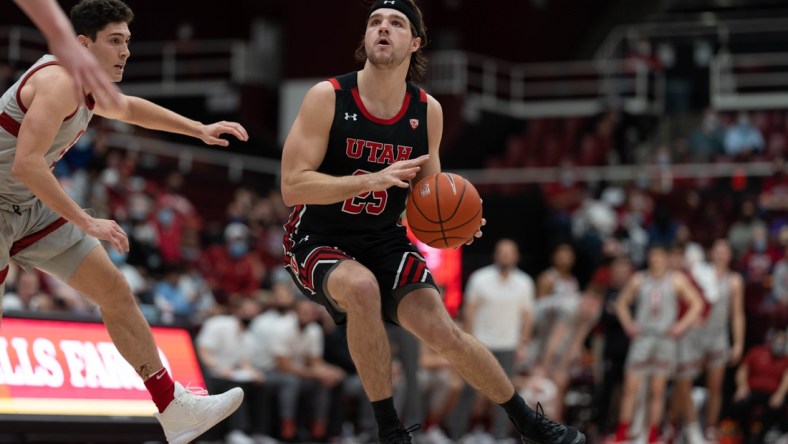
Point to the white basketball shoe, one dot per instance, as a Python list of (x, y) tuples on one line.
[(193, 412)]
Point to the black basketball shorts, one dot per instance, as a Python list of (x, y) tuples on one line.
[(396, 264)]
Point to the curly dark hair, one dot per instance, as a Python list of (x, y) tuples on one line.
[(417, 71), (91, 16)]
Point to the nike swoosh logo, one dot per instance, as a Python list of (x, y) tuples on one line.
[(160, 375)]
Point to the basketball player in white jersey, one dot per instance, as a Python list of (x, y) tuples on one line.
[(707, 347), (654, 330), (42, 227)]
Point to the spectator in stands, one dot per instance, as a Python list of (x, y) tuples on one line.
[(758, 260), (499, 311), (175, 305), (654, 329), (143, 236), (761, 385), (229, 268), (26, 294), (743, 139), (740, 233), (224, 346), (169, 231), (266, 230), (172, 197), (298, 351), (706, 142)]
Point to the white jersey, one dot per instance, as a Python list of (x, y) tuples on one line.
[(657, 304), (13, 193)]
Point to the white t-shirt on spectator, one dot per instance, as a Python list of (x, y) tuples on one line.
[(299, 345), (229, 345), (501, 303), (267, 330)]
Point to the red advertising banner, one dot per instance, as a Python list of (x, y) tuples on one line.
[(72, 368)]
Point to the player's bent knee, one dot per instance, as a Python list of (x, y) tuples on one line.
[(361, 295)]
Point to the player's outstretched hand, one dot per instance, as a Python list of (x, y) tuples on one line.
[(210, 133), (397, 174), (108, 230)]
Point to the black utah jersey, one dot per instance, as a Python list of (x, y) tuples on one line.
[(360, 143)]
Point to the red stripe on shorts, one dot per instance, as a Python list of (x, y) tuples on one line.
[(408, 265), (30, 239), (3, 274)]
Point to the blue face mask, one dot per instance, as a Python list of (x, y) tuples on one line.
[(760, 245), (237, 249), (166, 216)]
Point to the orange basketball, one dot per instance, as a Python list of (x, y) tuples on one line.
[(444, 210)]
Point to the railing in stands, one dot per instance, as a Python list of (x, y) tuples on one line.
[(169, 68), (545, 89), (722, 32), (233, 164), (749, 81)]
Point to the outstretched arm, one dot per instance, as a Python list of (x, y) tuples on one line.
[(306, 147), (83, 67), (141, 112)]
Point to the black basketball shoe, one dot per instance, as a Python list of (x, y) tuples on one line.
[(541, 430), (400, 435)]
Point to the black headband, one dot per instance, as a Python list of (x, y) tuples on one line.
[(401, 6)]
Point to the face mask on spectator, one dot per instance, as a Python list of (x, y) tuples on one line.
[(165, 216), (237, 249), (245, 322), (760, 245)]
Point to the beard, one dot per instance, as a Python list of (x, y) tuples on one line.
[(381, 60)]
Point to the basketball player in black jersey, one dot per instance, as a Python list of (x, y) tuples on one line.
[(358, 140)]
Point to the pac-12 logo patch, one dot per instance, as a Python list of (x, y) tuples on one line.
[(414, 123)]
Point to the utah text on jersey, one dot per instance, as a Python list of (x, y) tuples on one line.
[(378, 152)]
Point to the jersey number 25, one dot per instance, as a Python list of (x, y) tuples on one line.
[(363, 203)]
